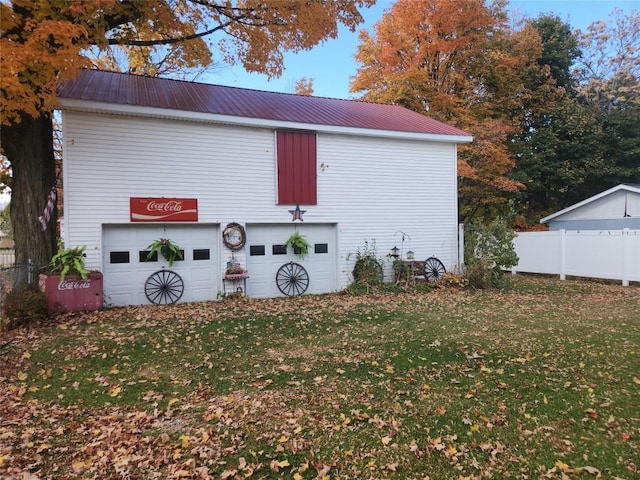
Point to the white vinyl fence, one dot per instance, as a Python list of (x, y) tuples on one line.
[(7, 258), (610, 254)]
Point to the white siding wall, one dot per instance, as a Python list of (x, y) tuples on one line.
[(611, 206), (374, 188), (371, 188)]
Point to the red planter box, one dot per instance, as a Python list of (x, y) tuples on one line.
[(72, 295)]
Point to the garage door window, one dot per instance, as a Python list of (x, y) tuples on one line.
[(143, 256), (278, 249), (321, 248), (256, 250), (201, 254), (119, 257)]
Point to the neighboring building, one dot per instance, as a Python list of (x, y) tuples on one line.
[(613, 209), (146, 158), (6, 243)]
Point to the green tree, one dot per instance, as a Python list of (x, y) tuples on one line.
[(621, 143), (559, 49), (43, 42), (561, 159), (554, 147)]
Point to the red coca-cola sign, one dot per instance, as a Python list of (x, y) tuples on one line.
[(163, 209)]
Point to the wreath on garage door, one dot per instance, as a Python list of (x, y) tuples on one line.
[(234, 236)]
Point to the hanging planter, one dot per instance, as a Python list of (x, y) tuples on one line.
[(299, 243), (165, 247)]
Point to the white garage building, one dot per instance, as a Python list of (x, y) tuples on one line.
[(148, 158)]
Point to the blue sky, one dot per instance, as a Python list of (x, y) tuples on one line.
[(332, 64)]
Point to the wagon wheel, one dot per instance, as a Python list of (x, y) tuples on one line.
[(292, 279), (433, 269), (164, 287)]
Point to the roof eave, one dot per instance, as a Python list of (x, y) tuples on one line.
[(154, 112), (589, 200)]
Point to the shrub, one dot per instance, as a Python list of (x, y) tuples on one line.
[(401, 271), (24, 306), (368, 270), (488, 250), (452, 280)]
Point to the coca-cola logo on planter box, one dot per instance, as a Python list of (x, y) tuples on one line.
[(74, 284), (163, 209)]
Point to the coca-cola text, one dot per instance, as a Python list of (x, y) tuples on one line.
[(74, 284), (170, 206)]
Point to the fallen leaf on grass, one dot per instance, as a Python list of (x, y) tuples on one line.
[(450, 451), (591, 470), (228, 474), (114, 391), (79, 466), (563, 466), (591, 412), (43, 447), (184, 440)]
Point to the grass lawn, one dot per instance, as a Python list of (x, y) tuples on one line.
[(538, 380)]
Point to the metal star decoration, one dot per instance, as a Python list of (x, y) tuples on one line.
[(297, 214)]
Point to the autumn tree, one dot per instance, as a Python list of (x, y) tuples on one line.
[(609, 76), (43, 42), (456, 61), (304, 86), (609, 69)]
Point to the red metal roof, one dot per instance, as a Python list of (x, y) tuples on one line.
[(127, 89)]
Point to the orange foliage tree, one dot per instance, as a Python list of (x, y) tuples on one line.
[(459, 62), (43, 42), (304, 86)]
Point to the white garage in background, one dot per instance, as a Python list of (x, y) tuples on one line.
[(266, 254), (126, 268)]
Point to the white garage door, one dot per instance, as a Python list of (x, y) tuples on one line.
[(265, 256), (126, 268)]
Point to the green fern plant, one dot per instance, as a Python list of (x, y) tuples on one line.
[(165, 247), (299, 244), (69, 261)]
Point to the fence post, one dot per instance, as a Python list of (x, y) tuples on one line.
[(461, 247), (29, 272), (626, 251), (513, 267), (563, 239)]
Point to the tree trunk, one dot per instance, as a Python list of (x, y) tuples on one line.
[(29, 147)]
